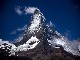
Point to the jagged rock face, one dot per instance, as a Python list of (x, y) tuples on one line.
[(37, 28), (50, 54), (34, 27), (14, 58)]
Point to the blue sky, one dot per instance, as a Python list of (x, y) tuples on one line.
[(65, 14)]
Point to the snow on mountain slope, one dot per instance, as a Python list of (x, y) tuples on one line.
[(53, 37), (30, 44), (68, 46), (35, 24), (5, 45)]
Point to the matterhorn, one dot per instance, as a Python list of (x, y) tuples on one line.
[(40, 42)]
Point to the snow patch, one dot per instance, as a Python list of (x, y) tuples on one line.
[(35, 24), (4, 44), (26, 46), (30, 44), (18, 10), (68, 46)]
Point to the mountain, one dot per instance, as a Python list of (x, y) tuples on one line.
[(40, 42)]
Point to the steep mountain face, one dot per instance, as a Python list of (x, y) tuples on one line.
[(40, 42), (39, 29), (44, 35)]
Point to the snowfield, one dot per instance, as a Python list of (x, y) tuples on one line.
[(30, 44), (26, 46)]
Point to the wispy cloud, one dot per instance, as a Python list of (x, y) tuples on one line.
[(19, 29), (18, 10), (29, 10), (26, 10), (50, 24), (23, 28), (18, 39), (20, 35), (13, 32)]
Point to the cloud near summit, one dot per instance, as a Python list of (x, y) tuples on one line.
[(26, 10), (29, 10)]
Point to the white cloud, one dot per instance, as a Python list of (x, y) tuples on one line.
[(23, 28), (18, 10), (19, 29), (51, 24), (26, 10), (29, 10), (18, 39), (13, 32)]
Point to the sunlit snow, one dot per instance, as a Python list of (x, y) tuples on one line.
[(26, 46), (66, 44), (35, 24), (4, 44)]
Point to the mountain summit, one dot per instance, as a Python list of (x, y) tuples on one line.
[(38, 32)]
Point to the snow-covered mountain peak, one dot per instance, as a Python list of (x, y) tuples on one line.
[(36, 22), (40, 35)]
